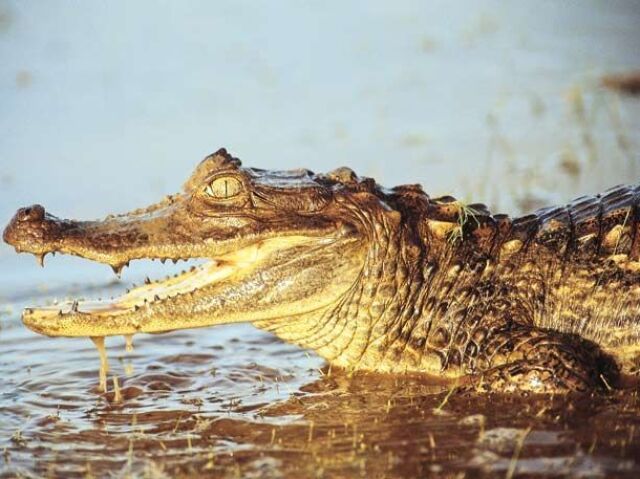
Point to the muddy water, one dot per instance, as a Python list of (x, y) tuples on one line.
[(236, 402)]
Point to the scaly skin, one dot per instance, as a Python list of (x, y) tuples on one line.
[(370, 278)]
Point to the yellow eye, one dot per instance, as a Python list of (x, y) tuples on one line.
[(224, 187)]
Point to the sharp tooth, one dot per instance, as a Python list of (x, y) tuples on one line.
[(117, 269), (156, 297), (28, 310), (40, 259), (74, 307), (163, 260), (174, 260), (147, 280), (59, 312)]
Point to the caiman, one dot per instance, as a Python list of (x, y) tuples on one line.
[(370, 278)]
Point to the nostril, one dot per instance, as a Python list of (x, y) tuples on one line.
[(31, 213)]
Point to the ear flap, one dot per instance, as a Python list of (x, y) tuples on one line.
[(220, 160), (367, 204)]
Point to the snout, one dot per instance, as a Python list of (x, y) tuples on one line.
[(30, 229)]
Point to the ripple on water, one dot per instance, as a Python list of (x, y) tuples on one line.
[(236, 400)]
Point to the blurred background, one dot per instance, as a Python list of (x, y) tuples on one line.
[(107, 106)]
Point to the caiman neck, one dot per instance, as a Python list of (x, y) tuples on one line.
[(366, 328)]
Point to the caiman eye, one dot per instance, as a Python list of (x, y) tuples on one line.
[(224, 187)]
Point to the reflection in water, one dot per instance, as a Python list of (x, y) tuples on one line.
[(236, 402)]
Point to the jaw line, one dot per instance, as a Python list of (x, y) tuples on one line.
[(44, 320)]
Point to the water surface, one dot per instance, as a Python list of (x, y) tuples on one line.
[(236, 402)]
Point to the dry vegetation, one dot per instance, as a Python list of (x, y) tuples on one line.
[(595, 151)]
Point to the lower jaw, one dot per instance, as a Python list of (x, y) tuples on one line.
[(127, 314)]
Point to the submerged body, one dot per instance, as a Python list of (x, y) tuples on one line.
[(371, 278)]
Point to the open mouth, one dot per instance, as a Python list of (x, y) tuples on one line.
[(128, 313), (227, 288)]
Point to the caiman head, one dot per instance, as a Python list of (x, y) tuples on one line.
[(280, 245)]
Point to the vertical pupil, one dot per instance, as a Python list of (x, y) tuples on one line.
[(223, 188)]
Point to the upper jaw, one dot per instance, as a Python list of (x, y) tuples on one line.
[(165, 231), (116, 240)]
